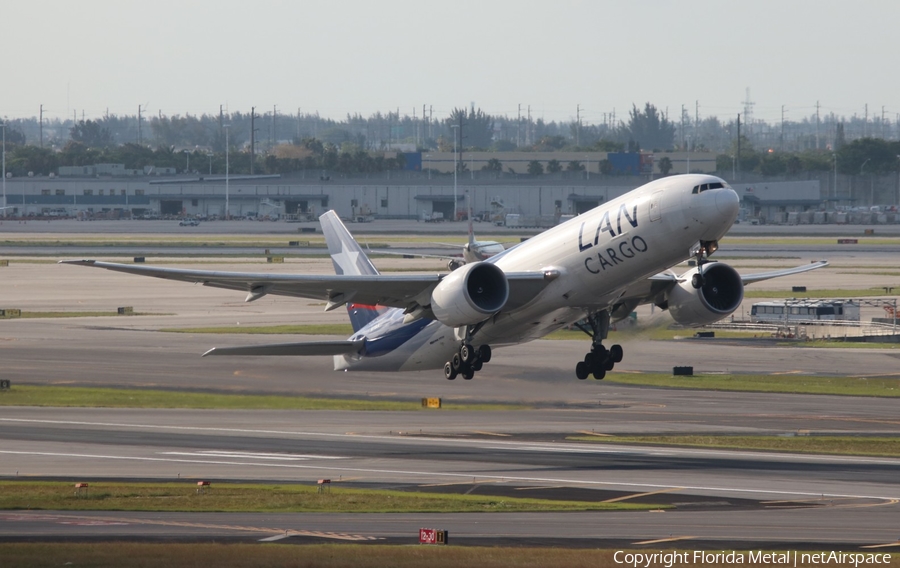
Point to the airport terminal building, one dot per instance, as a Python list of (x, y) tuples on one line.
[(394, 195)]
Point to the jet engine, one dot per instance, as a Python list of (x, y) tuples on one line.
[(706, 294), (470, 294)]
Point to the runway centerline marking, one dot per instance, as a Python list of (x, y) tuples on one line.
[(882, 545), (507, 478)]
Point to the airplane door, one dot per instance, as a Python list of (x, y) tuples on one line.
[(656, 206)]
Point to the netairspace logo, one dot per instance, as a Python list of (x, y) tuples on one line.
[(790, 558)]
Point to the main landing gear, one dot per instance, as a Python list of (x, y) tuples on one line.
[(600, 359), (468, 360)]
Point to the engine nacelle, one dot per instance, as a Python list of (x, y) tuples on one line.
[(721, 293), (470, 294)]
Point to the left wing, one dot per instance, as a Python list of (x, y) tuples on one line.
[(649, 290)]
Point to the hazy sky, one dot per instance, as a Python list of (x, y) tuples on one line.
[(348, 56)]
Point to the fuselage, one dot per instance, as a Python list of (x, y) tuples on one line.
[(598, 255)]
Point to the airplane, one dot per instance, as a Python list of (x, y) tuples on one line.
[(473, 251), (590, 271)]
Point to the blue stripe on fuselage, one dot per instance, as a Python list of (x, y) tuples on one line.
[(388, 332)]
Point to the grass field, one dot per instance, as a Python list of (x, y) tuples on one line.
[(837, 445), (784, 383), (33, 395), (228, 497)]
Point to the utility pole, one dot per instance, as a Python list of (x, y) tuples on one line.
[(782, 128), (682, 128), (737, 157), (577, 125), (226, 127), (528, 132), (252, 138), (42, 136), (220, 118), (274, 113), (817, 125), (696, 121), (140, 135), (519, 126), (4, 173), (882, 122), (866, 123)]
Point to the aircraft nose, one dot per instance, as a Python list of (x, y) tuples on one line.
[(727, 202)]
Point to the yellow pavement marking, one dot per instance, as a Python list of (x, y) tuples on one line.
[(796, 372), (671, 539), (540, 487), (595, 433), (635, 495), (483, 433)]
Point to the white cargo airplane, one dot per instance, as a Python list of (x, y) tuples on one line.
[(593, 269)]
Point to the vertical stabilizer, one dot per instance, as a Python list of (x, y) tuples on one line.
[(346, 254), (349, 259)]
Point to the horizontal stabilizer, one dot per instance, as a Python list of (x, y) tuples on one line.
[(296, 349)]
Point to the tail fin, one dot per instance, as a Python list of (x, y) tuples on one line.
[(348, 258)]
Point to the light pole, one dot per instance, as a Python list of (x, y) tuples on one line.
[(898, 182), (861, 169), (226, 170), (455, 128), (210, 155), (187, 167), (4, 168)]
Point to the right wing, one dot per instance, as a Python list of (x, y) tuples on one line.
[(395, 290), (407, 291)]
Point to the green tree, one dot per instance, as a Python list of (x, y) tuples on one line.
[(606, 167), (877, 155), (492, 165), (574, 166), (604, 145), (477, 128), (91, 134), (535, 168), (665, 165), (649, 129), (553, 166)]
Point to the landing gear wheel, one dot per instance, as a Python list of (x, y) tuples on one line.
[(484, 353), (467, 353), (456, 362), (589, 360), (616, 353), (477, 365), (581, 370), (609, 364), (468, 373), (599, 373), (449, 371)]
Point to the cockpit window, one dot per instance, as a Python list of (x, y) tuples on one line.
[(706, 186)]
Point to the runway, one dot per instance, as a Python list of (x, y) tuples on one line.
[(720, 498), (717, 495)]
